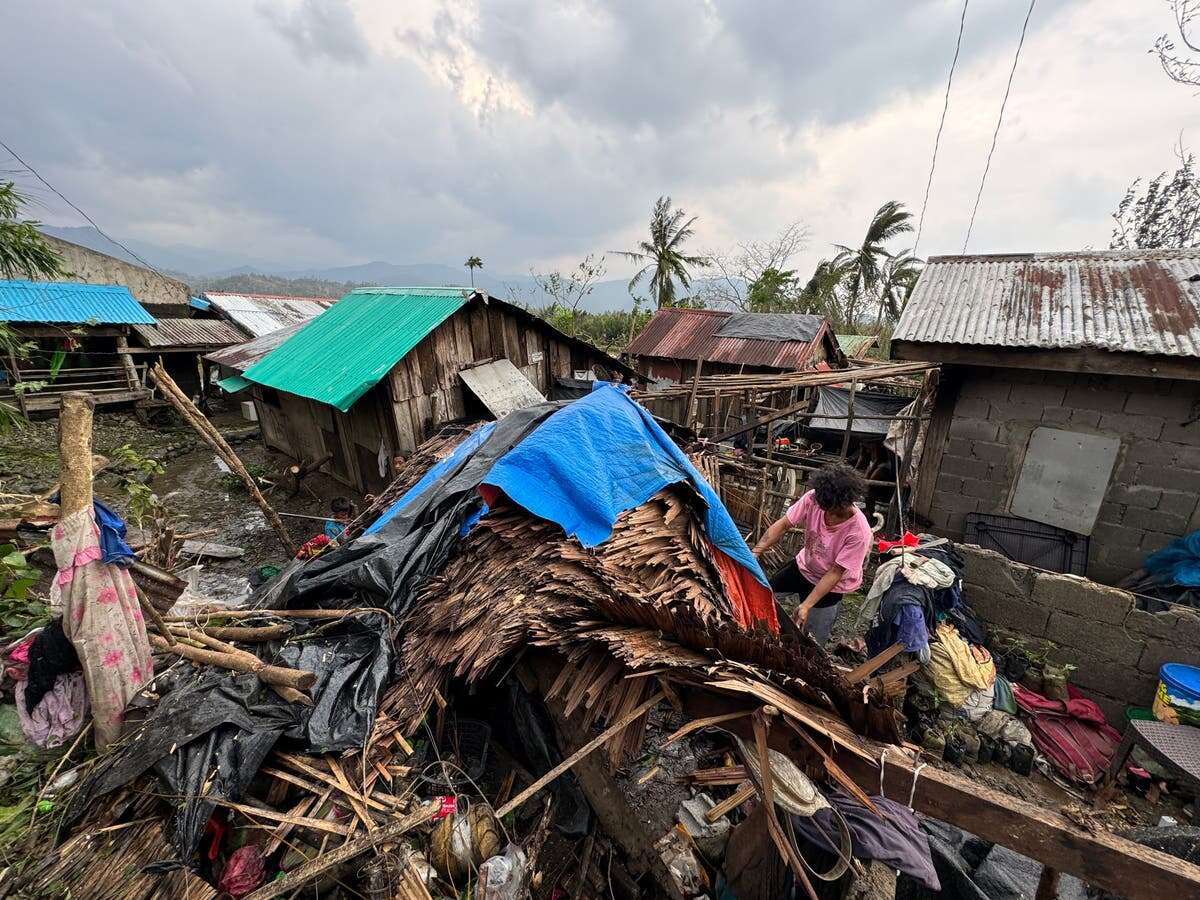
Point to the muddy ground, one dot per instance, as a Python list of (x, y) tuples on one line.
[(195, 491)]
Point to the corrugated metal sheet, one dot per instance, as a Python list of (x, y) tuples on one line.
[(692, 334), (260, 314), (1132, 302), (242, 356), (70, 302), (855, 345), (342, 354), (188, 333), (501, 387)]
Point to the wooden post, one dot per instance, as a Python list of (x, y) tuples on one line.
[(75, 450), (1047, 888), (131, 376), (212, 437), (849, 418), (689, 418), (16, 373)]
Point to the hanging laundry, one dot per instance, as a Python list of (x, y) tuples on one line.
[(103, 620)]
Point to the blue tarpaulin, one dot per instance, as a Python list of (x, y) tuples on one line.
[(462, 451), (598, 457), (1178, 562)]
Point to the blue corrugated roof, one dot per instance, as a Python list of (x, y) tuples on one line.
[(56, 301)]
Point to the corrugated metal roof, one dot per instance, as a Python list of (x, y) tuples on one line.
[(1127, 301), (242, 356), (692, 334), (260, 314), (188, 333), (70, 302), (342, 354), (855, 344)]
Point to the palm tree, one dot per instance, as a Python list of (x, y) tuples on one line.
[(820, 294), (862, 264), (662, 256), (473, 263), (897, 278)]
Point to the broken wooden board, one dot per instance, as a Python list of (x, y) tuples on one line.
[(212, 550), (1098, 858)]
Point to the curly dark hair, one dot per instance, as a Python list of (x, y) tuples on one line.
[(837, 486)]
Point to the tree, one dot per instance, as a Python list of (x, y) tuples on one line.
[(567, 290), (473, 263), (898, 276), (774, 291), (24, 253), (822, 293), (1179, 68), (662, 257), (863, 264), (1165, 213), (737, 269)]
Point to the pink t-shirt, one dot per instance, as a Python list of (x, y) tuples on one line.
[(845, 545)]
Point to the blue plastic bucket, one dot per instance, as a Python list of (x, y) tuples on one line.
[(1178, 696)]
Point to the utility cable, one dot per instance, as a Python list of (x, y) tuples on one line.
[(941, 124), (90, 220), (999, 121)]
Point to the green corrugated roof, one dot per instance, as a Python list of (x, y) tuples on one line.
[(342, 353), (233, 384), (853, 344)]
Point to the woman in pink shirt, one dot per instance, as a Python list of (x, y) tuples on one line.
[(837, 538)]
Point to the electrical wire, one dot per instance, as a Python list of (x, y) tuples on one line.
[(999, 121), (941, 124), (90, 220)]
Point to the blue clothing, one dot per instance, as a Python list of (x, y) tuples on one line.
[(334, 529)]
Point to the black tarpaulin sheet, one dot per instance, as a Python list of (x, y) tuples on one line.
[(771, 326), (835, 401)]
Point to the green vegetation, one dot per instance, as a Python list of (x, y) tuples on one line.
[(662, 257), (137, 470), (1165, 212), (473, 263), (273, 284)]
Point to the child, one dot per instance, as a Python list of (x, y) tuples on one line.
[(837, 538), (343, 512)]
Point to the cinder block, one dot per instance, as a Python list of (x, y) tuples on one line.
[(949, 484), (974, 429), (1085, 418), (1111, 512), (1188, 457), (1016, 409), (994, 388), (1007, 611), (1157, 653), (1113, 679), (1082, 597), (1172, 407), (1120, 560), (1148, 427), (1152, 541), (957, 446), (1168, 476), (1177, 503), (975, 407), (1106, 535), (1104, 640), (989, 452), (1098, 398), (1044, 395), (1151, 452), (995, 573), (1155, 626), (1178, 433), (967, 468), (1056, 415), (955, 502), (1154, 520), (1135, 495)]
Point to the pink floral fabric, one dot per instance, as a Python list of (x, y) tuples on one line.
[(102, 618)]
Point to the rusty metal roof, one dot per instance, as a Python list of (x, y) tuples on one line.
[(692, 334), (201, 333), (1145, 301), (259, 314), (242, 356)]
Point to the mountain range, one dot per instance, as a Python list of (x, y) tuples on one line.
[(205, 270)]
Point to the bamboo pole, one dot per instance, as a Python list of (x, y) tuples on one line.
[(296, 679), (75, 451), (213, 438)]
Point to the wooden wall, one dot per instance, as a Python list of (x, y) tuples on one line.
[(420, 394)]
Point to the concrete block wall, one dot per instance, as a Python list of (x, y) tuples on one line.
[(1116, 648), (1154, 494)]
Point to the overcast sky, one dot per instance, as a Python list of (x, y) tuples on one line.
[(530, 132)]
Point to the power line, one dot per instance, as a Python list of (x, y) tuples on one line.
[(90, 220), (999, 121), (941, 124)]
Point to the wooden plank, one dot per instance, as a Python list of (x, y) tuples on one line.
[(1098, 857), (864, 671), (481, 339), (936, 436)]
